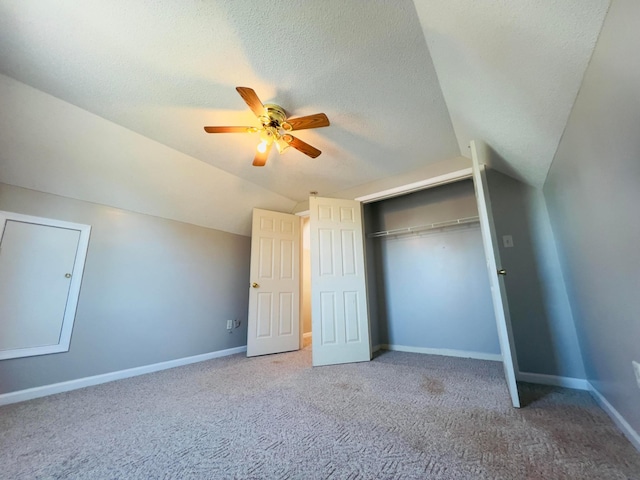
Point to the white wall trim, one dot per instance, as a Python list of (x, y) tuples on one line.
[(555, 380), (582, 384), (43, 391), (618, 419), (420, 185), (447, 352)]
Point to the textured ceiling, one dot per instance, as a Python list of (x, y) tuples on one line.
[(506, 72), (510, 72), (165, 69)]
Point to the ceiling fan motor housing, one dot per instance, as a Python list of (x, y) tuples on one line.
[(276, 117)]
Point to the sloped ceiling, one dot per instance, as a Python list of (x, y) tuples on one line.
[(510, 72), (404, 86)]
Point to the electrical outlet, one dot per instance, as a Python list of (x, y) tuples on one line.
[(229, 324), (507, 241), (636, 368), (236, 323)]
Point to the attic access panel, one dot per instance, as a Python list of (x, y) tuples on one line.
[(41, 267)]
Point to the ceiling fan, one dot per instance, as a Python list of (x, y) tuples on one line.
[(275, 127)]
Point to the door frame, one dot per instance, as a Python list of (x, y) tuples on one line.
[(74, 287), (431, 182)]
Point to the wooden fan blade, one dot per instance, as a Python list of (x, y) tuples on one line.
[(301, 146), (230, 129), (251, 99), (261, 158), (310, 121)]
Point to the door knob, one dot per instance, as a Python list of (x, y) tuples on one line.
[(67, 275), (255, 285), (502, 271)]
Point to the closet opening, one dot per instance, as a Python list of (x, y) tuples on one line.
[(427, 276)]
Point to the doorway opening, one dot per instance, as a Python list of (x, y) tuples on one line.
[(305, 276)]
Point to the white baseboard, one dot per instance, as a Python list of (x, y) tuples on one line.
[(376, 348), (555, 380), (447, 352), (307, 335), (43, 391), (618, 419)]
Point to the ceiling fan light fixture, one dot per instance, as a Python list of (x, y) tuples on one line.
[(267, 135), (262, 146), (281, 146)]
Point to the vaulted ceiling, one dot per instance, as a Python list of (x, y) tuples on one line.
[(405, 84)]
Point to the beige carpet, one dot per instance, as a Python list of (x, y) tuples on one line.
[(274, 417)]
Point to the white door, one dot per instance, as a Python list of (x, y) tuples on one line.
[(36, 265), (274, 293), (339, 312), (479, 157)]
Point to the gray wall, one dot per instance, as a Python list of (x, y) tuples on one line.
[(593, 196), (543, 328), (432, 289), (153, 290)]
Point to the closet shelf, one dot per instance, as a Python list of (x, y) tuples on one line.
[(424, 228)]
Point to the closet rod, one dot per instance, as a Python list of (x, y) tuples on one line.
[(422, 228)]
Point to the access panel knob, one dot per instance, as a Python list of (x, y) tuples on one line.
[(255, 285)]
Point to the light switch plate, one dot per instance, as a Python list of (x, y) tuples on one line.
[(507, 241)]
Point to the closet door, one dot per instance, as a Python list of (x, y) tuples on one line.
[(479, 157), (339, 311)]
